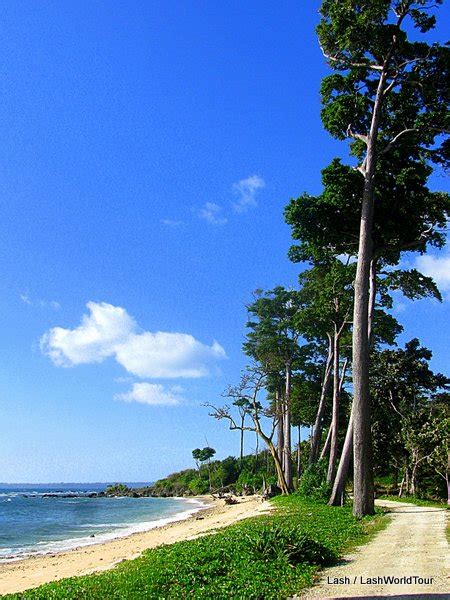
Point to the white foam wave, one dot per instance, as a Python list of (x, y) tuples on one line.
[(119, 531)]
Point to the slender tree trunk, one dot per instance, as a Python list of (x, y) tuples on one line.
[(338, 493), (407, 484), (273, 451), (400, 489), (299, 462), (241, 449), (326, 446), (287, 429), (317, 428), (280, 426), (363, 503), (335, 415)]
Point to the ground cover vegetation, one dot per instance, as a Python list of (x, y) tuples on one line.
[(267, 557)]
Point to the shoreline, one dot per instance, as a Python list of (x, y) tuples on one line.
[(66, 545), (19, 575)]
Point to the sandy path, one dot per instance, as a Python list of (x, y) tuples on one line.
[(32, 572), (413, 544)]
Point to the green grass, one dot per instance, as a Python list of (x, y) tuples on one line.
[(416, 501), (269, 557)]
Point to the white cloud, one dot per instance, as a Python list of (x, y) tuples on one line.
[(164, 354), (109, 331), (151, 393), (41, 303), (212, 213), (437, 267), (171, 222), (93, 340), (26, 299), (246, 190)]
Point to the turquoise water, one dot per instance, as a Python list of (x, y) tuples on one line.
[(31, 523)]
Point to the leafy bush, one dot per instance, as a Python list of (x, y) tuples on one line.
[(198, 486), (276, 541), (313, 483)]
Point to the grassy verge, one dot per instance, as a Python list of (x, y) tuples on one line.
[(414, 500), (268, 557)]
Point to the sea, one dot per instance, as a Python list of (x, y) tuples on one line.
[(33, 523)]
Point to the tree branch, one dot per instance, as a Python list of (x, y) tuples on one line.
[(395, 138), (348, 64)]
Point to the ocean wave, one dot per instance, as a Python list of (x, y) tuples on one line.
[(119, 531)]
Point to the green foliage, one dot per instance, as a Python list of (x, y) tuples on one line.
[(203, 454), (313, 483), (411, 418), (282, 541), (268, 557), (359, 40), (248, 474), (117, 489)]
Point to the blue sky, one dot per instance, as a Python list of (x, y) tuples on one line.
[(147, 150)]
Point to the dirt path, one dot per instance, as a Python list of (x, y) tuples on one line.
[(413, 545)]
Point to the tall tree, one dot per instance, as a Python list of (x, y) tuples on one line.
[(387, 89), (273, 342), (327, 294)]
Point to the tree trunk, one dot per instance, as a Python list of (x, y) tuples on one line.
[(335, 415), (413, 480), (280, 426), (241, 449), (287, 429), (363, 503), (338, 493), (400, 489), (299, 463), (317, 428), (273, 451), (326, 446)]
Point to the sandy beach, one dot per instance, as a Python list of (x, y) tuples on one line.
[(20, 575)]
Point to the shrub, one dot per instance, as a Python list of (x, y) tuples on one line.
[(313, 483), (279, 541)]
